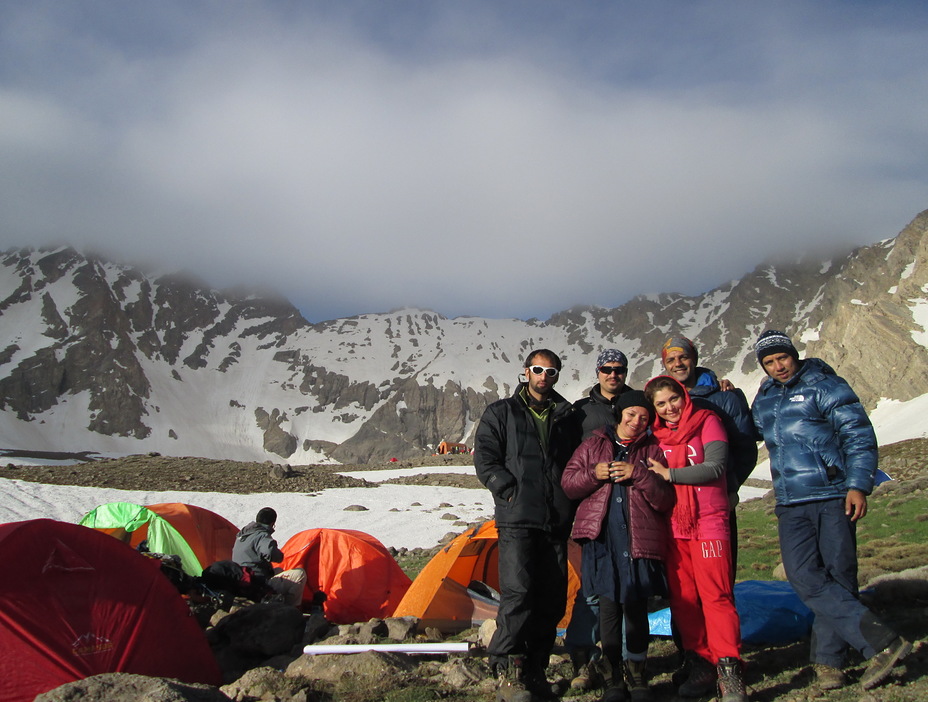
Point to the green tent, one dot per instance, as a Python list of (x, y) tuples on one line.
[(133, 524)]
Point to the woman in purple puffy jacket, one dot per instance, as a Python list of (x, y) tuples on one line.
[(621, 524)]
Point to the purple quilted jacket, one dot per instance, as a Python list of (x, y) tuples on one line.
[(650, 497)]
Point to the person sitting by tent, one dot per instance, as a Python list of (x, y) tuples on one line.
[(256, 550)]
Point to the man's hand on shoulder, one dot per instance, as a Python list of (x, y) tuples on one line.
[(725, 385), (855, 505)]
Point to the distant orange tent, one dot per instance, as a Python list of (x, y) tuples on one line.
[(449, 447), (360, 578), (440, 596), (210, 535)]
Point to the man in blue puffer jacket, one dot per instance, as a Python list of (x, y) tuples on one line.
[(823, 457)]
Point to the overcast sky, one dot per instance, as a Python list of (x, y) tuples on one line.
[(498, 158)]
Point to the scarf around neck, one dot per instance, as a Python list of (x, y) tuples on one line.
[(685, 513)]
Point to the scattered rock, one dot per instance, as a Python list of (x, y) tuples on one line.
[(317, 627), (401, 628), (279, 471), (779, 573), (485, 633), (461, 673)]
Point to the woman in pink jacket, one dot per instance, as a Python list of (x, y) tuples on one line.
[(702, 601), (621, 524)]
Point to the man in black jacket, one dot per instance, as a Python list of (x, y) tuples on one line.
[(522, 445), (597, 409)]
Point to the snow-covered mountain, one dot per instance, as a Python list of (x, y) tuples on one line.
[(100, 356)]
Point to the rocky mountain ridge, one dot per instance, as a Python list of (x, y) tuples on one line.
[(100, 356)]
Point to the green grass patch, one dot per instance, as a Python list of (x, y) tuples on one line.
[(893, 536)]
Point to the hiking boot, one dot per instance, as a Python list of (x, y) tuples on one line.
[(510, 685), (731, 680), (881, 665), (540, 688), (827, 677), (701, 680), (586, 677), (636, 677), (615, 693), (682, 672), (537, 683)]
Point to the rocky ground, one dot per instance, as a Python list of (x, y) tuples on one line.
[(164, 473)]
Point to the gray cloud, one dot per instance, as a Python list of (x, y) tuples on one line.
[(496, 161)]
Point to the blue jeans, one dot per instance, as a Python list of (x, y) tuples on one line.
[(818, 543)]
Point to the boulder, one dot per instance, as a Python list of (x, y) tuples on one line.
[(368, 665), (251, 635), (266, 683), (129, 687)]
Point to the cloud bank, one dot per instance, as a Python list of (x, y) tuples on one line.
[(501, 159)]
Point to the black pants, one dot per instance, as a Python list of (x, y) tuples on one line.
[(612, 615), (533, 595)]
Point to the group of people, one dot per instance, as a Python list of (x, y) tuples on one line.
[(647, 483)]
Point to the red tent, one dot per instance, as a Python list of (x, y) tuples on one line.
[(356, 572), (75, 602)]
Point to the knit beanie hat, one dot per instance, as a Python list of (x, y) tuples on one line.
[(611, 356), (679, 343), (633, 398), (773, 341)]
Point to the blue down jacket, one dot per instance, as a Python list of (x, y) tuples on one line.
[(820, 440)]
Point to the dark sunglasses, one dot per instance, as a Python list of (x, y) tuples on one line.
[(538, 370), (609, 370)]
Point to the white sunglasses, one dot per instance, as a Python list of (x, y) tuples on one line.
[(538, 370)]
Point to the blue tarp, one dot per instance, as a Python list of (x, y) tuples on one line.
[(770, 613)]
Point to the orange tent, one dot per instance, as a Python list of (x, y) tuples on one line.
[(200, 537), (209, 535), (440, 597), (448, 447), (360, 578)]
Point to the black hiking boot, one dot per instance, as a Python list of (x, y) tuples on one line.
[(701, 679), (636, 677), (510, 681)]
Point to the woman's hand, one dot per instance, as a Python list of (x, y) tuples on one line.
[(661, 470), (616, 471), (601, 471), (620, 471)]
